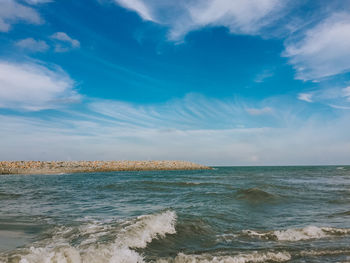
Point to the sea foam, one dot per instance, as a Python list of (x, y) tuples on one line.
[(254, 257), (136, 233), (297, 234)]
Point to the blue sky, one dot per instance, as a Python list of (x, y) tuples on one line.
[(221, 82)]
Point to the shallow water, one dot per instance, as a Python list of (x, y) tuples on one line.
[(229, 214)]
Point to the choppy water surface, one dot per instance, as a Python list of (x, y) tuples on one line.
[(231, 214)]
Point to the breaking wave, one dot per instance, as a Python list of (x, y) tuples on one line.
[(99, 242), (254, 257), (297, 234)]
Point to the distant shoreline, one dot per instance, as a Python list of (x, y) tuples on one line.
[(57, 167)]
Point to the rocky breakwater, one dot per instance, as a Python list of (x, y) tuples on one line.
[(56, 167)]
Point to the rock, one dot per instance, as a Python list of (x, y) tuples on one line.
[(54, 167)]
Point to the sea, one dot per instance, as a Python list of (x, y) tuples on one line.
[(227, 214)]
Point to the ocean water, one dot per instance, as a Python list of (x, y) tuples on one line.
[(228, 214)]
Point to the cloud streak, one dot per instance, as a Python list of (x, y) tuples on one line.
[(241, 17), (335, 97), (193, 128), (317, 48), (262, 111), (35, 2), (68, 138), (193, 110), (323, 50)]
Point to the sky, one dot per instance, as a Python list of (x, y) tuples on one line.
[(219, 82)]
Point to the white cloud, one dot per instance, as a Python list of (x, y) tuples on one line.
[(35, 2), (315, 50), (323, 50), (346, 93), (138, 6), (65, 42), (305, 97), (239, 16), (33, 87), (12, 12), (32, 45)]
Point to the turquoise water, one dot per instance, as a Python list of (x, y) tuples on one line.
[(229, 214)]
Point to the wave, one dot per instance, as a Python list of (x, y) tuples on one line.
[(175, 184), (254, 257), (8, 196), (99, 242), (255, 195), (146, 228), (192, 227), (340, 214), (325, 252), (153, 185), (297, 234)]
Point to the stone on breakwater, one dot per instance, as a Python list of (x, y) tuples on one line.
[(54, 167)]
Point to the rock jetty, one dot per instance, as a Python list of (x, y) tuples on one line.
[(56, 167)]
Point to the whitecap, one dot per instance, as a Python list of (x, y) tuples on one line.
[(146, 228), (254, 257), (297, 234), (136, 233)]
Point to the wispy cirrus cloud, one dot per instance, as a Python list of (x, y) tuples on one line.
[(339, 107), (323, 50), (124, 133), (35, 2), (29, 86), (262, 76), (194, 110), (335, 97), (317, 47), (12, 12), (261, 111), (242, 17), (346, 93)]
